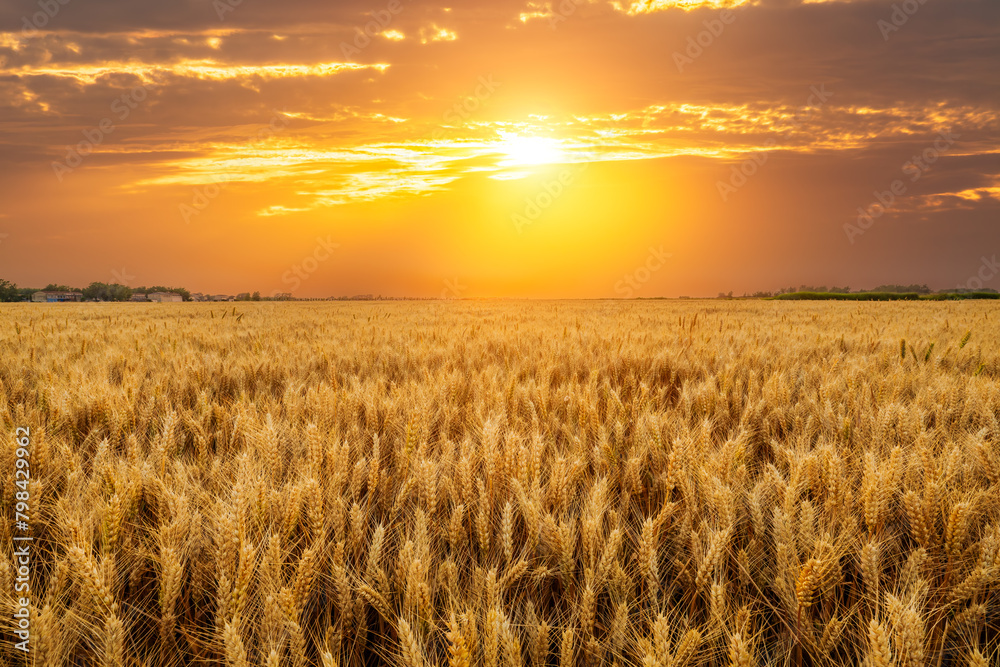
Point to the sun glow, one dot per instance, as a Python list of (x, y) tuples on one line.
[(528, 150)]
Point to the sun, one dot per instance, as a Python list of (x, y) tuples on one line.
[(528, 150)]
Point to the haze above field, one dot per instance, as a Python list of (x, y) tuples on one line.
[(504, 148)]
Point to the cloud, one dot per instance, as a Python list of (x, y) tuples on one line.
[(651, 6), (206, 70)]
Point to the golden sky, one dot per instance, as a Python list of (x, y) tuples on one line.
[(577, 148)]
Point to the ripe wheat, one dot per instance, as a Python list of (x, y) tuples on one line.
[(506, 484)]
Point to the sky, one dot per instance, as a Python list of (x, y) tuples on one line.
[(510, 148)]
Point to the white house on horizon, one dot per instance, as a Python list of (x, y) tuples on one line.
[(165, 297)]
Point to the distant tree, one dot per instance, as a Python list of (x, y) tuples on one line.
[(919, 289), (255, 297), (119, 292), (52, 287), (96, 290), (106, 292), (965, 290), (185, 294), (9, 291)]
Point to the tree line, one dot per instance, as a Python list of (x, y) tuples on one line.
[(96, 291), (881, 289)]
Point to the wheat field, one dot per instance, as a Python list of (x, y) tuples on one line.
[(656, 484)]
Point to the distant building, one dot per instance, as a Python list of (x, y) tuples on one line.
[(139, 297), (243, 296), (56, 297), (283, 296), (220, 297), (198, 296), (165, 297)]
